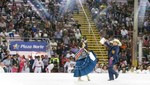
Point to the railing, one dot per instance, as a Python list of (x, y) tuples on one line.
[(90, 28)]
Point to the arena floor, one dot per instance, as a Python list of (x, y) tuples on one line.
[(68, 79)]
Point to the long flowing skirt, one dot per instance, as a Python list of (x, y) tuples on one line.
[(85, 65)]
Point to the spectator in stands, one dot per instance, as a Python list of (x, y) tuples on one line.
[(123, 57), (49, 68), (70, 54), (15, 62), (105, 69), (26, 68), (146, 40), (1, 68), (78, 35), (45, 61), (124, 33), (31, 61), (53, 44), (132, 70), (69, 65), (77, 25), (12, 34), (148, 70), (58, 35), (3, 24), (123, 70), (146, 25), (66, 40), (14, 68), (98, 68), (74, 49), (7, 63), (124, 67), (146, 53), (55, 60), (22, 61), (95, 12), (38, 65), (140, 70)]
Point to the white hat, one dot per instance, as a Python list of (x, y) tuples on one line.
[(116, 40)]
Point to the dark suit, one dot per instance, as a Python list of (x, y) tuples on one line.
[(112, 53)]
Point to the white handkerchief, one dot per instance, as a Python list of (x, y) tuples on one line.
[(92, 57), (102, 41)]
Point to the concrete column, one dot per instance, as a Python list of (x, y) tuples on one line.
[(134, 50)]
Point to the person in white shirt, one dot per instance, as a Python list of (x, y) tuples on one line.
[(36, 35), (124, 33), (38, 65), (98, 68), (105, 69), (140, 70), (132, 70), (7, 63), (78, 35), (69, 54), (69, 65), (49, 68), (66, 40), (146, 23), (94, 12), (1, 68), (53, 44), (148, 70), (2, 23), (127, 21)]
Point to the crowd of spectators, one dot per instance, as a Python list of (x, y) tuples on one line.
[(34, 19), (115, 20)]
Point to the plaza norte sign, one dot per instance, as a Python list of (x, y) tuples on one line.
[(28, 46)]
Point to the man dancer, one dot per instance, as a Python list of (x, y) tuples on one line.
[(113, 57)]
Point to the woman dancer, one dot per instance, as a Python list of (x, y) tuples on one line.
[(85, 62)]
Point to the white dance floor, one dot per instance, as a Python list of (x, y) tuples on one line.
[(68, 79)]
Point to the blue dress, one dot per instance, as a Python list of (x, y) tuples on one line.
[(84, 64)]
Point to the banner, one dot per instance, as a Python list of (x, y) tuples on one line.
[(27, 46)]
